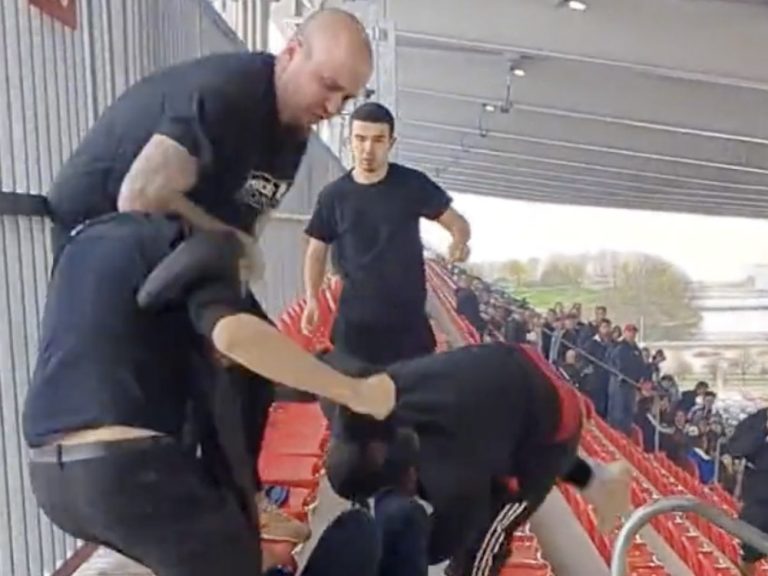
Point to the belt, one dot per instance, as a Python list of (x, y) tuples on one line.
[(61, 453)]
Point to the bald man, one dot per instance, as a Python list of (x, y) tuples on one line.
[(217, 141)]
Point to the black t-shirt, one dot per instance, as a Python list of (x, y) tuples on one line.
[(374, 229), (103, 361), (222, 109)]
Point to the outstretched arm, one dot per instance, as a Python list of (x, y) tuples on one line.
[(257, 346), (203, 271)]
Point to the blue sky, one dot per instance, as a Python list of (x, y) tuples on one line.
[(708, 248)]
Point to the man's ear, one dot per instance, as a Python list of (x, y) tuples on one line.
[(392, 142)]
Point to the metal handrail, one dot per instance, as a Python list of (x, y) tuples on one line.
[(643, 515)]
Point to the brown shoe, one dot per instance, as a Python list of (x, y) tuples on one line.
[(279, 526)]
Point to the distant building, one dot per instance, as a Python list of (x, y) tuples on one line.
[(760, 275)]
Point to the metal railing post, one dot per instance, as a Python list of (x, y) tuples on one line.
[(643, 515)]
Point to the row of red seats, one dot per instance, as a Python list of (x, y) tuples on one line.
[(640, 558), (688, 543), (297, 434), (670, 480), (526, 558), (641, 561)]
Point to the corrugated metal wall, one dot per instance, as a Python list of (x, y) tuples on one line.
[(283, 240), (53, 83)]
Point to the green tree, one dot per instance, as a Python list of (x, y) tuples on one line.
[(657, 291), (534, 267), (564, 271), (516, 271)]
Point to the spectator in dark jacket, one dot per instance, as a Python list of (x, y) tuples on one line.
[(704, 411), (676, 444), (468, 304), (652, 419), (616, 335), (547, 331), (668, 385), (591, 328), (516, 328), (688, 398), (571, 370), (596, 375), (564, 339), (626, 359)]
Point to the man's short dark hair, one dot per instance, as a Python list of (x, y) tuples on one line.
[(601, 309), (375, 113), (604, 322)]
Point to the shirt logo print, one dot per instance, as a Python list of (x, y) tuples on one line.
[(263, 192)]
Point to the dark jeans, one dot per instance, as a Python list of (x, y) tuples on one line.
[(403, 526), (160, 507), (622, 401), (257, 395), (251, 396), (596, 389), (486, 548), (382, 345), (157, 505)]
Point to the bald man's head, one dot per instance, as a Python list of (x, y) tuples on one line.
[(328, 61), (336, 25)]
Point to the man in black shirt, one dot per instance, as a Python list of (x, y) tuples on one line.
[(494, 428), (217, 141), (371, 218), (137, 312)]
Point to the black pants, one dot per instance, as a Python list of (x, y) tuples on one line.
[(158, 506), (253, 395), (487, 549), (381, 345), (403, 526), (756, 514), (155, 504)]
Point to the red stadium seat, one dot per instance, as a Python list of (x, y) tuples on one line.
[(290, 470)]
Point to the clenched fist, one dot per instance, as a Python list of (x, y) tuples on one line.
[(374, 396), (458, 253)]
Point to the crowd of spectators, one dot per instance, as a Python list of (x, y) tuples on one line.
[(625, 382)]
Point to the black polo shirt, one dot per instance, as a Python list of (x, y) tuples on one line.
[(374, 230), (222, 109), (103, 361)]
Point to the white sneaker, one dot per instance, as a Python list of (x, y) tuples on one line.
[(609, 493)]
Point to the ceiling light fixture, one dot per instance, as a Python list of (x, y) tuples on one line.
[(577, 5), (489, 107), (519, 72)]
